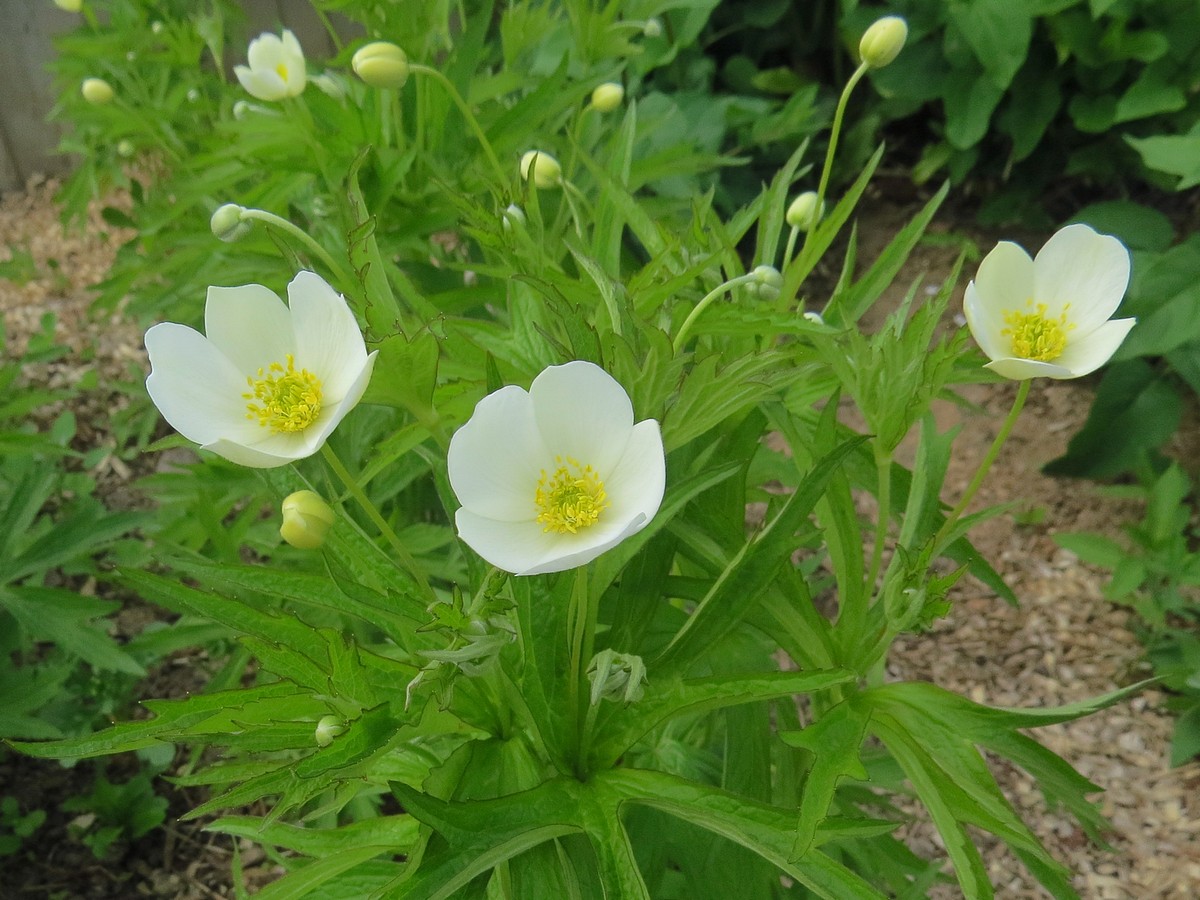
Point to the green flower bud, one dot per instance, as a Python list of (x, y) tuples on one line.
[(804, 212), (544, 168), (616, 676), (768, 281), (306, 520), (227, 224), (381, 64), (69, 5), (883, 41), (608, 96), (328, 728), (652, 28), (96, 91)]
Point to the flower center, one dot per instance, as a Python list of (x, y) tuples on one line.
[(570, 498), (282, 398), (1035, 335), (282, 70)]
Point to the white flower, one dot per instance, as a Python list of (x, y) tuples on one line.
[(266, 384), (1050, 316), (552, 477), (276, 67)]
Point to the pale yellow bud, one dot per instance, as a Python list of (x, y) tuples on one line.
[(805, 212), (227, 224), (96, 91), (328, 728), (381, 64), (652, 28), (608, 96), (306, 520), (542, 167), (883, 41), (69, 5)]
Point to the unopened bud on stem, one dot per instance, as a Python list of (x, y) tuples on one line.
[(306, 520), (883, 41), (227, 223), (805, 212), (96, 91), (542, 168), (608, 96), (381, 64)]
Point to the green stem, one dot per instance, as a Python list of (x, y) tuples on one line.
[(681, 335), (501, 177), (834, 133), (791, 247), (294, 231), (984, 466), (883, 468), (579, 699), (403, 557)]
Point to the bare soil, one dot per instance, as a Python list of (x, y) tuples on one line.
[(1063, 643)]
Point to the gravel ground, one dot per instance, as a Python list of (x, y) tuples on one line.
[(1064, 642)]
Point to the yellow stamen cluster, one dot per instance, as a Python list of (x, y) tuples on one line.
[(281, 69), (1035, 335), (571, 498), (282, 398)]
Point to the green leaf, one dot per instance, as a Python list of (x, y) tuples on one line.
[(998, 32), (969, 105), (667, 698), (1134, 412), (763, 829), (1177, 155), (835, 740), (1095, 549), (752, 570), (1139, 227)]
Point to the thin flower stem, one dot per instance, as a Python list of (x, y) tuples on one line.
[(984, 466), (292, 230), (578, 623), (834, 132), (403, 557), (883, 468), (681, 335), (791, 247), (501, 177)]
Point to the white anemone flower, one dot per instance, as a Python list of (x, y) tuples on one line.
[(276, 67), (1051, 316), (267, 383), (552, 477)]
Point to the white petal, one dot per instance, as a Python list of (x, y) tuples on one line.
[(985, 326), (496, 458), (571, 550), (195, 387), (328, 341), (250, 456), (1087, 270), (635, 486), (1089, 353), (250, 325), (582, 413), (511, 546), (1004, 282), (331, 416), (261, 84), (1022, 369), (266, 51)]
